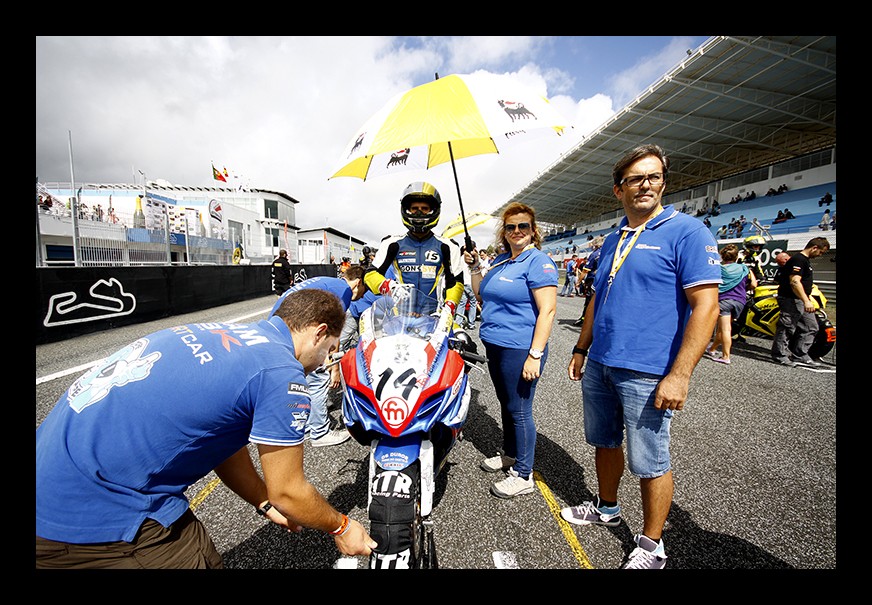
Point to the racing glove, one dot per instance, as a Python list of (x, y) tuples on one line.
[(396, 290)]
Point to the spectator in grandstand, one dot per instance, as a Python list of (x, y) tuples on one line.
[(826, 199), (771, 192), (124, 443), (833, 224), (825, 220), (519, 301), (740, 225), (569, 280), (281, 272), (797, 324), (640, 363), (736, 280), (707, 222), (779, 218), (788, 214), (722, 232), (782, 188)]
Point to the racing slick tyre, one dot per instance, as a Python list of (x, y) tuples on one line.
[(395, 519)]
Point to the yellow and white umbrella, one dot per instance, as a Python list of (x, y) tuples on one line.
[(462, 223), (454, 117)]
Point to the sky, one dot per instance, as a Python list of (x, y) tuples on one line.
[(278, 112)]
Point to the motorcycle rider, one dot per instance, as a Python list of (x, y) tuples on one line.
[(419, 258), (754, 245)]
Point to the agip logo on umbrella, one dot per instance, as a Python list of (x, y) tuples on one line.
[(516, 110), (399, 158)]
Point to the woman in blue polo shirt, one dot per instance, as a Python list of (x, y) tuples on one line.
[(519, 299)]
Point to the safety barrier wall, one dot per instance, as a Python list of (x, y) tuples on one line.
[(71, 301)]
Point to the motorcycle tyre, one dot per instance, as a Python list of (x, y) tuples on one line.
[(824, 339), (421, 555)]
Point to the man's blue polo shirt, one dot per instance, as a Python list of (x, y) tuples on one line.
[(639, 322)]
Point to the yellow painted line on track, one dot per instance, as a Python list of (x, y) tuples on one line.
[(204, 493), (565, 527)]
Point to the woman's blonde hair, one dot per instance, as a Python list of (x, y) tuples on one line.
[(511, 210)]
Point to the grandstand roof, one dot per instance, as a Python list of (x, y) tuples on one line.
[(734, 104)]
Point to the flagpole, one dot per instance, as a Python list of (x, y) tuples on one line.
[(74, 206)]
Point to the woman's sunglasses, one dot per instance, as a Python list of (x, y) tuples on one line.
[(522, 226)]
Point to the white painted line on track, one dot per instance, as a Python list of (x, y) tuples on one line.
[(505, 560), (84, 367), (345, 563)]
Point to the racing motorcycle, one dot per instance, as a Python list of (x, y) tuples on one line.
[(760, 315), (406, 396)]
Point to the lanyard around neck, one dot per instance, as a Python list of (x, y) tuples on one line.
[(505, 260), (622, 251)]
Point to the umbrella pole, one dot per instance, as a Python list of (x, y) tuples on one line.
[(468, 240)]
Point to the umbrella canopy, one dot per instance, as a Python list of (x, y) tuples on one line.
[(476, 113), (454, 117)]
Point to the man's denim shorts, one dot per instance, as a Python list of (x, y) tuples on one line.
[(616, 399)]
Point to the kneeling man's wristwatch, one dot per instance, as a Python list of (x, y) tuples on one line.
[(535, 353)]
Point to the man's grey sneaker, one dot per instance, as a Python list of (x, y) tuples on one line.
[(587, 513), (513, 485), (497, 463), (333, 437), (785, 362), (647, 555)]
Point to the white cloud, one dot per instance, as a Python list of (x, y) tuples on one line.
[(279, 111)]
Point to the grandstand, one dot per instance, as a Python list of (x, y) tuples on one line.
[(739, 113), (803, 204)]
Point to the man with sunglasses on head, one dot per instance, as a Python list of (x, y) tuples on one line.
[(654, 307), (418, 259)]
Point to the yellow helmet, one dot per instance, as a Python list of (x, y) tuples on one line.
[(753, 241), (420, 223)]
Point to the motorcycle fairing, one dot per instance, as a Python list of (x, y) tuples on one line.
[(400, 398)]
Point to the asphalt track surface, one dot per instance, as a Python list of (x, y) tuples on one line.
[(753, 453)]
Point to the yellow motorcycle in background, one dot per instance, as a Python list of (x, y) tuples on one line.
[(760, 316)]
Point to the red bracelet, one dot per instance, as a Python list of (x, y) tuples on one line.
[(339, 531)]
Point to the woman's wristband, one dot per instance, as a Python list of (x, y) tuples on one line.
[(579, 351), (340, 531)]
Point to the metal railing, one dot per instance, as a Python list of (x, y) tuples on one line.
[(100, 238)]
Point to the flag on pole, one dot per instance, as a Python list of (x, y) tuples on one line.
[(217, 175)]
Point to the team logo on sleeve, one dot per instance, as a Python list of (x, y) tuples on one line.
[(295, 387)]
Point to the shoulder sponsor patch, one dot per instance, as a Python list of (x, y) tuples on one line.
[(294, 387)]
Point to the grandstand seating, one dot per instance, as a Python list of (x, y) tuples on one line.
[(803, 203)]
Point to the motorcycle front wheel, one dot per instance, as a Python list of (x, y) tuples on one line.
[(396, 523)]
